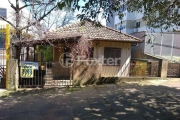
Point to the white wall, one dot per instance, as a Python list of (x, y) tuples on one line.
[(127, 16), (10, 11), (136, 16), (130, 15), (123, 69)]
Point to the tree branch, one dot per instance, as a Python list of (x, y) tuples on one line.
[(30, 24), (42, 17), (12, 5), (27, 5), (8, 22)]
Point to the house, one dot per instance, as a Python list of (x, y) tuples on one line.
[(111, 48)]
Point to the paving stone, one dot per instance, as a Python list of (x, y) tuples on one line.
[(101, 102), (62, 112), (81, 110)]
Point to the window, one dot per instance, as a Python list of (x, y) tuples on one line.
[(3, 12), (137, 24), (112, 56), (2, 39)]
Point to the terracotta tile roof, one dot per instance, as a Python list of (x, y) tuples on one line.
[(76, 30), (91, 32)]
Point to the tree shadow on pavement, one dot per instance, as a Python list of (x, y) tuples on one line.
[(101, 102)]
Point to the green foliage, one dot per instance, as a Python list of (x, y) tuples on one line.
[(72, 89), (47, 51), (5, 94), (61, 5), (139, 69), (157, 13)]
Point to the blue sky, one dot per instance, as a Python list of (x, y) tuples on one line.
[(81, 3)]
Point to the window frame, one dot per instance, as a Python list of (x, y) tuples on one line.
[(110, 52), (2, 41), (138, 24), (3, 12)]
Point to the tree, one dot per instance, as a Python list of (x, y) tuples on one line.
[(67, 18), (57, 19), (39, 20), (157, 13), (38, 11)]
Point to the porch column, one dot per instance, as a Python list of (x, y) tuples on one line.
[(13, 75), (27, 53), (164, 68), (34, 53)]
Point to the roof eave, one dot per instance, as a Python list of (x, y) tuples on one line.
[(113, 40)]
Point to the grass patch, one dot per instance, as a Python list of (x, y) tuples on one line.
[(74, 89), (6, 94), (107, 80)]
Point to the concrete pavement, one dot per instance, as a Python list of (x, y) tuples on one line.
[(103, 102)]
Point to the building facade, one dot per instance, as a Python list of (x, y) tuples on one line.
[(132, 22), (8, 12), (163, 44)]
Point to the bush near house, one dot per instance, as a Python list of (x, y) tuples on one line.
[(47, 53), (138, 68)]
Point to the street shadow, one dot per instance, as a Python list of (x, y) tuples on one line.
[(101, 102)]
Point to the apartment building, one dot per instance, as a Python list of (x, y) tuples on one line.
[(164, 45), (132, 22), (8, 12)]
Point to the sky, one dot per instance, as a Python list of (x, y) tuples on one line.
[(81, 3), (9, 10)]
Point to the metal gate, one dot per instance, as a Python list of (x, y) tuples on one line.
[(173, 70), (2, 56), (29, 76), (45, 74)]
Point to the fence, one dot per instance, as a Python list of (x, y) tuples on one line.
[(44, 74), (144, 69), (2, 76), (30, 77), (53, 74), (173, 70), (57, 75), (4, 32)]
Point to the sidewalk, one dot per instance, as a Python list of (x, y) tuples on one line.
[(169, 82), (102, 102), (2, 91)]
